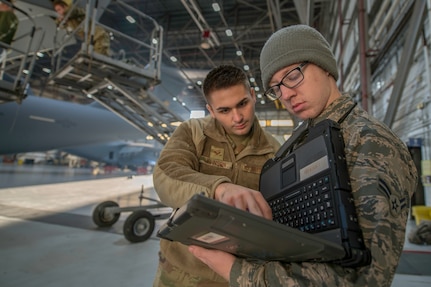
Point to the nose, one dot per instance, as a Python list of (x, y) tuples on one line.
[(236, 116), (286, 93)]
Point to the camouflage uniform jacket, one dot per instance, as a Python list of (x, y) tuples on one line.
[(8, 26), (383, 178), (101, 38), (196, 159)]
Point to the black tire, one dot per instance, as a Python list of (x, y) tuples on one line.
[(102, 218), (138, 226)]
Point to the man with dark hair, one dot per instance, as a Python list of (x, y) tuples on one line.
[(220, 156), (299, 68)]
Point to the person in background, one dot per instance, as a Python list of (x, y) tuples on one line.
[(299, 68), (8, 26), (8, 22), (101, 38), (220, 156)]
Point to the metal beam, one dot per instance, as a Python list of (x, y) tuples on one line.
[(410, 43)]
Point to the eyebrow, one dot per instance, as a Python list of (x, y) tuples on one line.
[(238, 104)]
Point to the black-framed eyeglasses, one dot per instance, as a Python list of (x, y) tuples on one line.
[(292, 79)]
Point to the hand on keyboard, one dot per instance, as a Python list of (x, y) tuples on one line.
[(243, 198)]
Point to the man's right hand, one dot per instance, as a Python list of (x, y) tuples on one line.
[(243, 198)]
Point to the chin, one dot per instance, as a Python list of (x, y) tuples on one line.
[(242, 132)]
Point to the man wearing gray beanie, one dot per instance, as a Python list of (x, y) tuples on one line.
[(296, 44), (299, 69)]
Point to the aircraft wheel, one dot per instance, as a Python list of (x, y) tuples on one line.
[(104, 218), (138, 226)]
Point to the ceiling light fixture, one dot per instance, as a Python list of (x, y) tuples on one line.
[(131, 19), (205, 44), (216, 7)]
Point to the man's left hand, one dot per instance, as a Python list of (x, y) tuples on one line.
[(219, 261)]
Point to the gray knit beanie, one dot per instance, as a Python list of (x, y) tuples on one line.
[(295, 44)]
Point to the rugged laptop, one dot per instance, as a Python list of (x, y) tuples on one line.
[(308, 189)]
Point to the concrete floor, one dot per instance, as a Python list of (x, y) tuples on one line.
[(48, 237)]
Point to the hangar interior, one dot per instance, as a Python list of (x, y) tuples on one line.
[(382, 49), (161, 50)]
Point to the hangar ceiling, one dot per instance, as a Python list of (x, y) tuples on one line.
[(235, 31), (187, 23)]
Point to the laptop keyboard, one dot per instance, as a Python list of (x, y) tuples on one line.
[(310, 208)]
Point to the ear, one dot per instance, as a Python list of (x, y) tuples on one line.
[(253, 94), (209, 108)]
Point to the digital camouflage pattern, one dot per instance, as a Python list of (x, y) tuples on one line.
[(101, 40), (383, 178), (198, 157), (421, 234)]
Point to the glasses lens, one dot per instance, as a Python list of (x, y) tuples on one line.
[(273, 93), (293, 78)]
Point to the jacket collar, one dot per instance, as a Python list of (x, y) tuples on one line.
[(336, 110)]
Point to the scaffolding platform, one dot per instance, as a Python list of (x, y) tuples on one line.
[(120, 85)]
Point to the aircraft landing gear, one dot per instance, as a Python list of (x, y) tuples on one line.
[(138, 226)]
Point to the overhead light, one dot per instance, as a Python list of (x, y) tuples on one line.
[(275, 123), (216, 7), (131, 19), (229, 32), (173, 59), (246, 68), (252, 80), (197, 114), (239, 53), (205, 44)]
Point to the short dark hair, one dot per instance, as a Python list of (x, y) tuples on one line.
[(59, 2), (224, 76)]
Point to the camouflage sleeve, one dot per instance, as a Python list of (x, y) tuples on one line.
[(383, 179)]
